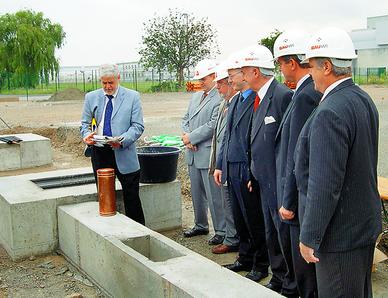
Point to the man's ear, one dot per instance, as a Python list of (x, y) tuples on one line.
[(327, 67)]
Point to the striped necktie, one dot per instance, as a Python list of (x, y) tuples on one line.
[(107, 131)]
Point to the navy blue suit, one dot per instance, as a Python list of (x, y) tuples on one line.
[(336, 175), (265, 124), (304, 101), (246, 206)]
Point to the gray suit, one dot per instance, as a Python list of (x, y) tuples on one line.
[(231, 237), (199, 122)]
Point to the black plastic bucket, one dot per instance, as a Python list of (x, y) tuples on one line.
[(158, 164)]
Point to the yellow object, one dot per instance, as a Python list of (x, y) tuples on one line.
[(94, 124)]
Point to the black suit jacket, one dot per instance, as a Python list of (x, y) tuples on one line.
[(234, 146), (335, 169), (265, 124), (304, 101)]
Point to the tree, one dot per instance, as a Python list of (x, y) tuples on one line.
[(269, 41), (176, 42), (27, 47)]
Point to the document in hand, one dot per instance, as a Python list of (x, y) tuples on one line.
[(103, 140)]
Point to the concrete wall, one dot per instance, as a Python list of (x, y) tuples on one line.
[(33, 151), (28, 214), (127, 259)]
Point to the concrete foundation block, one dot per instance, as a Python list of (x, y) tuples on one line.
[(34, 150), (127, 259), (28, 213)]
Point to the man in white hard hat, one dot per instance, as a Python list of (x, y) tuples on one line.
[(231, 241), (335, 170), (289, 51), (271, 101), (233, 168), (198, 126)]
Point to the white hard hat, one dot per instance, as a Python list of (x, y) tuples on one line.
[(291, 42), (204, 68), (234, 60), (257, 56), (331, 43), (221, 72)]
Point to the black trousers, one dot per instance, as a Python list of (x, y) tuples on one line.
[(304, 273), (103, 157), (248, 217), (345, 274)]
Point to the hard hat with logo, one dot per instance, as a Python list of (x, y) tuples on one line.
[(257, 56), (221, 71), (291, 42), (333, 43), (234, 60), (204, 68)]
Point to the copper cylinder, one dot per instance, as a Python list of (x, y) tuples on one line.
[(106, 191)]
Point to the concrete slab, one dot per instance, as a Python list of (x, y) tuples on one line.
[(28, 213), (127, 259), (33, 151)]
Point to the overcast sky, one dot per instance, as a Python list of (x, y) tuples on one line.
[(100, 31)]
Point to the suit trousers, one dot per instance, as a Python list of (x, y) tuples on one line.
[(273, 230), (345, 274), (103, 157), (248, 218), (205, 193), (304, 273), (231, 235)]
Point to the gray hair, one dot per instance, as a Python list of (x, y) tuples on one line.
[(109, 70), (337, 71), (266, 72)]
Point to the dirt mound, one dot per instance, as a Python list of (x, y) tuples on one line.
[(68, 94)]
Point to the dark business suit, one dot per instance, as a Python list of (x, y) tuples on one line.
[(246, 207), (304, 101), (339, 206), (265, 123)]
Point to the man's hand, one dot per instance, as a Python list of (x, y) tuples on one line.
[(217, 177), (249, 186), (191, 147), (115, 145), (185, 138), (89, 139), (307, 253), (286, 214)]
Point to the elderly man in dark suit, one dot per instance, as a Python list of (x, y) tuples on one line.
[(335, 169), (270, 104), (289, 50), (231, 241), (198, 128), (233, 168)]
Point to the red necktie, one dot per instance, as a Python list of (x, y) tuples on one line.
[(256, 103)]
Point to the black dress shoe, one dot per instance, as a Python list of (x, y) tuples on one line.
[(236, 267), (195, 232), (274, 287), (216, 239), (256, 275)]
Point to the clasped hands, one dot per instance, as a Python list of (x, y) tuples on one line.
[(187, 143)]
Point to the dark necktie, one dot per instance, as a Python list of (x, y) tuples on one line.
[(107, 131), (256, 103)]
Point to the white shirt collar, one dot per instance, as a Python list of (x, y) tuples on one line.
[(300, 82), (263, 90), (332, 86)]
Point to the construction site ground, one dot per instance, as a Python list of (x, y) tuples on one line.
[(58, 119)]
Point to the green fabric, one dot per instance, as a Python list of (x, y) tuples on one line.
[(167, 140)]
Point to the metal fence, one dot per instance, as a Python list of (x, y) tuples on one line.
[(136, 78), (87, 80)]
